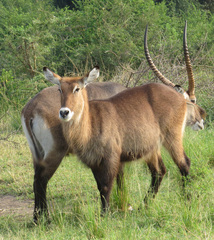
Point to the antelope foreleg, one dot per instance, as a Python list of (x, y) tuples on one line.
[(104, 176)]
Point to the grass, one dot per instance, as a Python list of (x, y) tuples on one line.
[(74, 201)]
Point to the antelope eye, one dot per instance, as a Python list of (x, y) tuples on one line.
[(76, 89), (60, 90)]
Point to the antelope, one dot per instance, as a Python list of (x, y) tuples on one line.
[(130, 125), (194, 114), (43, 131)]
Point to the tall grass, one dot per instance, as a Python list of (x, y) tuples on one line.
[(74, 203)]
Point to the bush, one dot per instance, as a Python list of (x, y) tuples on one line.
[(108, 33), (16, 92)]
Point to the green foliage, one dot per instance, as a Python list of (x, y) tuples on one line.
[(34, 34), (16, 92), (23, 29)]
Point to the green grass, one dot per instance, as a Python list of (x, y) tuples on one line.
[(74, 201)]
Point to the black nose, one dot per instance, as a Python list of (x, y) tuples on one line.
[(64, 113)]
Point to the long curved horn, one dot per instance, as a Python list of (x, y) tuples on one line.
[(152, 65), (191, 89)]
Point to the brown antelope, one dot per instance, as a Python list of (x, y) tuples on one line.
[(130, 125), (43, 130)]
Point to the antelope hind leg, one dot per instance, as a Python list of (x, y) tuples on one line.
[(158, 170)]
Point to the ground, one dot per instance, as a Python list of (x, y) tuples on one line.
[(10, 205)]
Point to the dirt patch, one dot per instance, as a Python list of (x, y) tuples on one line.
[(10, 205)]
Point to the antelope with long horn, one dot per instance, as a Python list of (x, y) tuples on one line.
[(43, 130), (194, 115), (130, 125)]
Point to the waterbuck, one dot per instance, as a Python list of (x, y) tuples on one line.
[(130, 125), (43, 130)]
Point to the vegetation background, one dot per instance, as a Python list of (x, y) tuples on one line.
[(70, 37)]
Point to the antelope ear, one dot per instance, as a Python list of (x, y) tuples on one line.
[(51, 76), (202, 113), (91, 76)]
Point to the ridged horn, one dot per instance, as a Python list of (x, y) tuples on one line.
[(191, 89), (152, 65)]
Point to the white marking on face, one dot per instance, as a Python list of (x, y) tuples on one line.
[(75, 88), (198, 125), (43, 134), (65, 114)]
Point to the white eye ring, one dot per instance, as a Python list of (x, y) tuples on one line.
[(76, 89)]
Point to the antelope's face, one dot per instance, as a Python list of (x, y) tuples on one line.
[(71, 100), (72, 93), (195, 116)]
